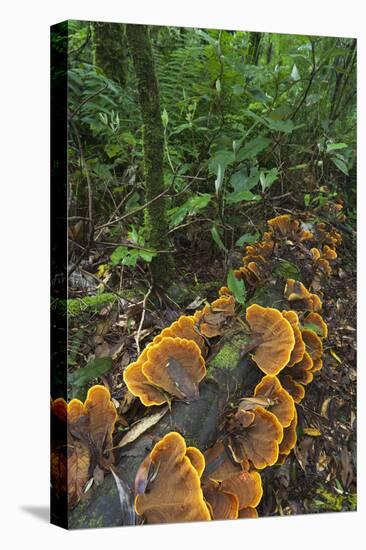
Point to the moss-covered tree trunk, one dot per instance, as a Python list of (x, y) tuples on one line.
[(109, 50), (156, 224)]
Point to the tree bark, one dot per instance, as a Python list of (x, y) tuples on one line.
[(156, 224), (109, 50)]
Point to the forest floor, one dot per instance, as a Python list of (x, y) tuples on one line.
[(320, 476)]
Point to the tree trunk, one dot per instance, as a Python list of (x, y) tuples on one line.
[(156, 225), (109, 50)]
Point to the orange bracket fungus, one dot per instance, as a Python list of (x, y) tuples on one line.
[(90, 426), (286, 226), (173, 493), (295, 389), (185, 328), (222, 505), (172, 366), (281, 403), (318, 321), (313, 343), (289, 440), (296, 291), (176, 366), (299, 348), (272, 336), (293, 379), (227, 488), (254, 438), (213, 318)]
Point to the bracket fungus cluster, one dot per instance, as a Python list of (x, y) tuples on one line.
[(289, 239), (257, 427), (89, 427)]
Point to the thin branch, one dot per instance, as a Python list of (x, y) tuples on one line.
[(85, 100), (137, 337)]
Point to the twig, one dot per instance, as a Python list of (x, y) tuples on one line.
[(136, 210), (137, 337), (85, 100)]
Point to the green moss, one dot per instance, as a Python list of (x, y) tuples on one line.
[(228, 356), (75, 307)]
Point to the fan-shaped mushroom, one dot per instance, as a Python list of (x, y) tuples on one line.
[(173, 493), (223, 477), (222, 505), (254, 438), (212, 319), (176, 366), (313, 343), (281, 402), (299, 348), (295, 389), (272, 336), (289, 438), (296, 291), (185, 328), (318, 321)]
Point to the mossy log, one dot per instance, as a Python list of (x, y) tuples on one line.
[(229, 377)]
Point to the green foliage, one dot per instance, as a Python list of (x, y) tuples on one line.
[(192, 206), (237, 287), (217, 238), (79, 379), (245, 116), (336, 501), (287, 270)]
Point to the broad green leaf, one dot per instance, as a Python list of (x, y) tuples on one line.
[(94, 369), (147, 256), (247, 238), (131, 258), (334, 146), (181, 128), (286, 126), (237, 287), (341, 165), (224, 157), (240, 181), (216, 237), (252, 148), (267, 178), (237, 89), (190, 207), (288, 270), (239, 196), (118, 255)]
